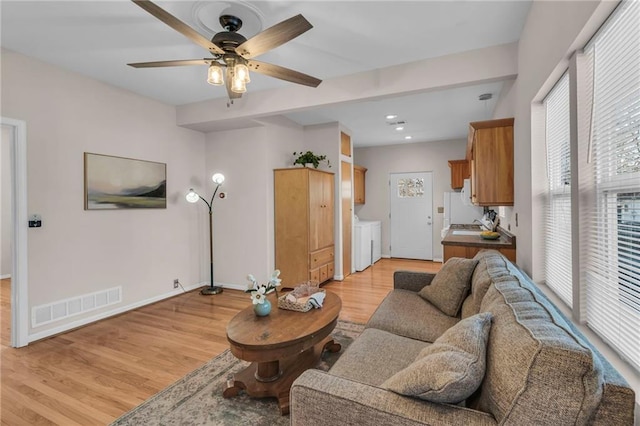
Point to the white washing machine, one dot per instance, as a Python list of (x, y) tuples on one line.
[(368, 250)]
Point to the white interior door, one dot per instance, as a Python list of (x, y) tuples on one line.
[(411, 208)]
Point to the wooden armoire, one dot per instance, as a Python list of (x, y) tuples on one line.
[(304, 225)]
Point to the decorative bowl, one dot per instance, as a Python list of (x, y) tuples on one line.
[(488, 235)]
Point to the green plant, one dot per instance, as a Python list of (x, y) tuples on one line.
[(310, 158)]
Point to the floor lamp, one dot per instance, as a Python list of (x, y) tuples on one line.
[(193, 197)]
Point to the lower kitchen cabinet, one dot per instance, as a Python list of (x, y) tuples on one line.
[(470, 251)]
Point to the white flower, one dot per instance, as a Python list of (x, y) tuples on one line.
[(258, 296), (254, 283), (275, 281)]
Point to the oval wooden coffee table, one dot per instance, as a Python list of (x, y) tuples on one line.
[(280, 347)]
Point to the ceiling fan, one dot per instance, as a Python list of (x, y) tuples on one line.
[(232, 51)]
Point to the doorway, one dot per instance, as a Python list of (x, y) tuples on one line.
[(411, 215), (14, 135)]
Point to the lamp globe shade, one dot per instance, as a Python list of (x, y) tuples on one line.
[(192, 197), (218, 178)]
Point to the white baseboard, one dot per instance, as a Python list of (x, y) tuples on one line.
[(4, 277), (437, 259), (232, 286)]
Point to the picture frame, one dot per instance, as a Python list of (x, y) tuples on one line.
[(113, 183)]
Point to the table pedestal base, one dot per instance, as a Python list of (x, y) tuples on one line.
[(274, 378)]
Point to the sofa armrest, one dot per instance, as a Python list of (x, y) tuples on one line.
[(319, 398), (411, 280)]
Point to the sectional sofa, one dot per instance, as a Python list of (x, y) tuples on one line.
[(483, 347)]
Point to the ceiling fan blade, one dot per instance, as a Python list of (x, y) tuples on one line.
[(178, 25), (283, 73), (274, 36), (178, 63)]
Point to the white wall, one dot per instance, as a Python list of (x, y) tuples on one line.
[(415, 157), (76, 252), (6, 232), (243, 222), (553, 30)]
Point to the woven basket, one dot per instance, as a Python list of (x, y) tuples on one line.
[(283, 303)]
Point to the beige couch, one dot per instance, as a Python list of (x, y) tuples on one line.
[(539, 368)]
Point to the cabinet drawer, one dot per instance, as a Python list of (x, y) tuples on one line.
[(314, 276), (323, 273), (320, 257)]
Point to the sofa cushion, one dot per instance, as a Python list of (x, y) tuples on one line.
[(405, 313), (536, 367), (450, 285), (492, 266), (450, 369), (375, 356)]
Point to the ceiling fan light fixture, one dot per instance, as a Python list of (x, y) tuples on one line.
[(215, 76)]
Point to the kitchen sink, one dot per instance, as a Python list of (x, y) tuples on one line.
[(456, 232)]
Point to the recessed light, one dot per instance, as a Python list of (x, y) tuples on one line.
[(399, 128), (391, 116), (407, 137)]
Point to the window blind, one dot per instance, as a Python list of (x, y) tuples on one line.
[(558, 196), (610, 207)]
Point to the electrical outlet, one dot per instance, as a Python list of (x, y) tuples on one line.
[(176, 283)]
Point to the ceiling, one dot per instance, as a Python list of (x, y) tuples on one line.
[(98, 39)]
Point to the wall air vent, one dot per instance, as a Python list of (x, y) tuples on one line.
[(62, 309)]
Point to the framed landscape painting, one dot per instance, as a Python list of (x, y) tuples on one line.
[(123, 183)]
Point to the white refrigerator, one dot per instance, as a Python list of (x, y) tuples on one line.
[(456, 211)]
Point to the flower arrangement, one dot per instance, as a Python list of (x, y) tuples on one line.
[(310, 158), (259, 291)]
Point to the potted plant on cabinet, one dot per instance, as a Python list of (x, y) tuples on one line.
[(309, 157)]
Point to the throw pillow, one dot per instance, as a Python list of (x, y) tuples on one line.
[(450, 285), (450, 369)]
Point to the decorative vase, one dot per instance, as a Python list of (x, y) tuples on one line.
[(262, 309)]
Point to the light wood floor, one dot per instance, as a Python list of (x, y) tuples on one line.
[(92, 375)]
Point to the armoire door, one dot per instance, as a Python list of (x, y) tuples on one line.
[(320, 210)]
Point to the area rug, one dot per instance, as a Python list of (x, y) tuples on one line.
[(196, 399)]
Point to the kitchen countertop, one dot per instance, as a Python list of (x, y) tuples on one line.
[(506, 240)]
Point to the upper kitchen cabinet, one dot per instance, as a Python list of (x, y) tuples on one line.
[(490, 155), (359, 173), (459, 172), (345, 144)]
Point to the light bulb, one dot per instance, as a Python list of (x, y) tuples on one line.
[(215, 75), (192, 197), (218, 178), (242, 72), (238, 85)]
